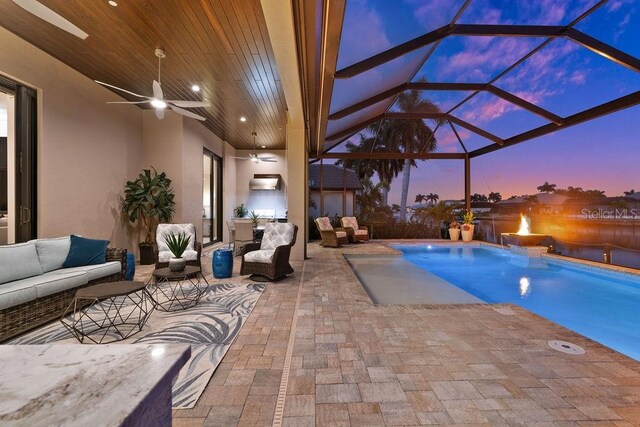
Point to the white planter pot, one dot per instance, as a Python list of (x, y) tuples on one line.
[(454, 234), (177, 264), (467, 235)]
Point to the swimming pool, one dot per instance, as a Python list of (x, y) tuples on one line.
[(601, 305)]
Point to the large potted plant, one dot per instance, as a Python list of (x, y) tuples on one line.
[(467, 227), (148, 199), (177, 245)]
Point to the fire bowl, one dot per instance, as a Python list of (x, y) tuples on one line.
[(524, 239)]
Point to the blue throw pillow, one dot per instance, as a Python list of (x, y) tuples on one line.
[(86, 252)]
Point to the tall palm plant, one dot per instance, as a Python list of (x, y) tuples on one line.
[(420, 198), (410, 136), (432, 197)]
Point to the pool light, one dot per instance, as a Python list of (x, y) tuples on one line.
[(525, 286)]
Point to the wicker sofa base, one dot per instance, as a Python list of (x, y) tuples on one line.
[(24, 317), (265, 270), (330, 240), (21, 318)]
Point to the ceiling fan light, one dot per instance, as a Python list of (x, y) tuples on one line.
[(158, 103), (195, 88), (255, 160)]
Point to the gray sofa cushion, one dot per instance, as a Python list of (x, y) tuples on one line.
[(57, 281), (52, 252), (18, 262), (17, 292), (93, 272)]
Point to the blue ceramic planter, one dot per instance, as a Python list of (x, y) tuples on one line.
[(131, 267), (222, 263)]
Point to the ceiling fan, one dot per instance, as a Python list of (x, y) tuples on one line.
[(43, 12), (157, 101), (254, 156)]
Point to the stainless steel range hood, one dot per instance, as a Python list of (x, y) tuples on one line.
[(265, 182)]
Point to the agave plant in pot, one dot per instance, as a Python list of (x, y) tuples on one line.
[(148, 200), (177, 245)]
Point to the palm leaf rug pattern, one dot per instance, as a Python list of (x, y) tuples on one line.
[(209, 327)]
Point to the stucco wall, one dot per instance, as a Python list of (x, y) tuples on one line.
[(86, 151), (252, 199)]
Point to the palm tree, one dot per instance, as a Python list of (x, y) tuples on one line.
[(395, 208), (432, 197), (479, 198), (547, 188), (630, 192), (494, 197), (409, 136), (420, 198), (386, 169)]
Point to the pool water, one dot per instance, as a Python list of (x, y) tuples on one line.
[(600, 305)]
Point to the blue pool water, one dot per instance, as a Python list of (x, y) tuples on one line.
[(602, 306)]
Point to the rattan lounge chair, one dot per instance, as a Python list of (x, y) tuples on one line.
[(355, 233), (331, 237), (163, 254), (270, 258)]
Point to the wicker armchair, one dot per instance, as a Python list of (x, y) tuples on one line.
[(355, 233), (162, 252), (330, 237), (29, 315), (270, 258)]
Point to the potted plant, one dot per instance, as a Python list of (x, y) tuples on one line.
[(149, 200), (467, 227), (454, 230), (177, 245), (254, 218), (240, 211)]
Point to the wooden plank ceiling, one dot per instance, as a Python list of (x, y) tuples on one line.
[(221, 45)]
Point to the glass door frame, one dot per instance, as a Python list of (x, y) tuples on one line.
[(215, 188)]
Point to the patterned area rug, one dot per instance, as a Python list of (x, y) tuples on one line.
[(209, 327)]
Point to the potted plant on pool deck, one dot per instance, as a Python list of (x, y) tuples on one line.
[(177, 245), (254, 218), (467, 227), (149, 199), (454, 230)]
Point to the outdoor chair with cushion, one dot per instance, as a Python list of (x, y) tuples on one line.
[(163, 254), (242, 236), (354, 232), (330, 236), (270, 257)]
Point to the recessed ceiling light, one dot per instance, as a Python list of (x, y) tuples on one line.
[(112, 3), (243, 119), (263, 146), (195, 88)]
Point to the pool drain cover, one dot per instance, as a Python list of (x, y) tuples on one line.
[(566, 347)]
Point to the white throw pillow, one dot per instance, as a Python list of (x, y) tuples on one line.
[(19, 262), (52, 252)]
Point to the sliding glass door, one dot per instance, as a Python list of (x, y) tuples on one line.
[(211, 198)]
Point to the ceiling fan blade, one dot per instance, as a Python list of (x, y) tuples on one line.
[(239, 158), (157, 90), (120, 89), (43, 12), (188, 104), (160, 113), (186, 113), (127, 102), (268, 160)]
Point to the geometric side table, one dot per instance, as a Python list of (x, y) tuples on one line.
[(176, 290), (108, 312)]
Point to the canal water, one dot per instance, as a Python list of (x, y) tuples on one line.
[(575, 237)]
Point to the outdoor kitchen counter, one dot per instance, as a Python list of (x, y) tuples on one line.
[(81, 385)]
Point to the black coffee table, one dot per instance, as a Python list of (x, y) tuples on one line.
[(119, 307), (176, 290)]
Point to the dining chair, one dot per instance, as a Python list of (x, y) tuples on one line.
[(243, 235)]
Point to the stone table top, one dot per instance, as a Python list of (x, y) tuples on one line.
[(79, 385)]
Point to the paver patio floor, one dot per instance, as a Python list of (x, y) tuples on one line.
[(355, 363)]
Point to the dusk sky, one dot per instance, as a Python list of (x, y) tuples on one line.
[(563, 78)]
